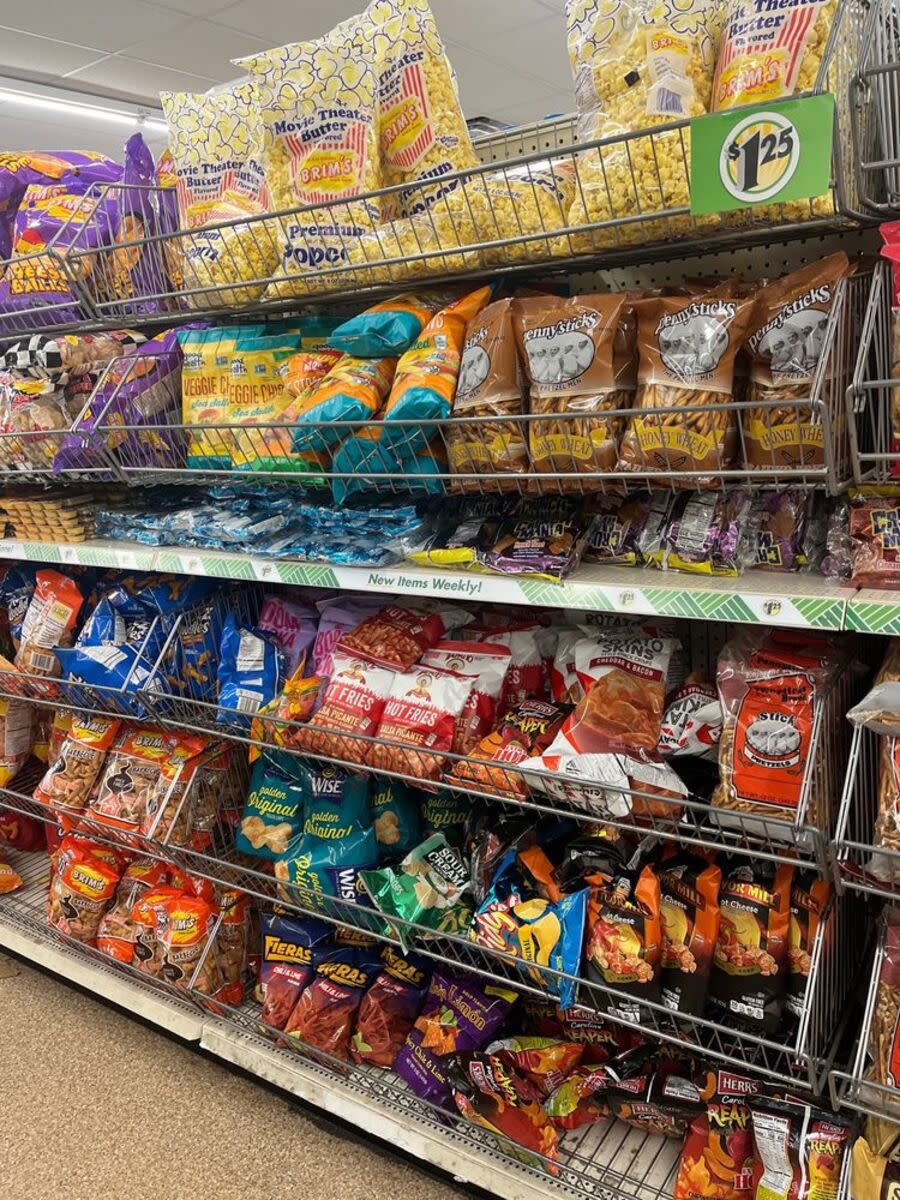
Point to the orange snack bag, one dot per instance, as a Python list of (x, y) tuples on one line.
[(9, 880), (49, 621), (71, 777)]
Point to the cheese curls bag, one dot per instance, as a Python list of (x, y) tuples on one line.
[(426, 377), (567, 350), (215, 145), (318, 103), (637, 66), (687, 347), (422, 132), (786, 340)]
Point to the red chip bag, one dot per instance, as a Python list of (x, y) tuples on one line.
[(49, 621), (20, 831), (115, 935), (488, 665), (400, 634), (527, 674), (389, 1008), (81, 890), (353, 703), (9, 880), (422, 710), (325, 1014), (525, 730)]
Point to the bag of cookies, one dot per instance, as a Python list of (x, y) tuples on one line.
[(687, 346), (567, 351)]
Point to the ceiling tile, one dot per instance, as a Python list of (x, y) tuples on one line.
[(112, 23), (538, 51), (486, 84), (480, 24), (42, 56), (200, 48), (280, 21), (195, 8), (139, 80)]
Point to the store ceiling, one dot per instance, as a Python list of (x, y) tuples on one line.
[(509, 55)]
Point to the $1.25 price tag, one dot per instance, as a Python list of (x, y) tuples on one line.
[(766, 154)]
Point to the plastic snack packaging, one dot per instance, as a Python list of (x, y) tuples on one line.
[(315, 869), (488, 665), (689, 911), (458, 1015), (49, 621), (291, 949), (294, 625), (399, 634), (786, 339), (624, 942), (616, 528), (544, 538), (810, 1142), (874, 553), (205, 374), (70, 778), (9, 880), (389, 1008), (421, 129), (525, 730), (389, 328), (461, 532), (257, 399), (249, 673), (16, 590), (492, 1094), (810, 902), (489, 395), (115, 933), (354, 390), (428, 887), (335, 802), (692, 723), (325, 1014), (687, 347), (395, 815), (448, 813), (353, 703), (183, 934), (875, 1176), (215, 146), (131, 776), (543, 1061), (22, 832), (20, 171), (426, 379), (82, 888), (717, 1157), (534, 923), (566, 348), (17, 730), (750, 964), (304, 371), (707, 533), (528, 203), (778, 529), (422, 712), (318, 107), (273, 813), (769, 690), (337, 617), (145, 921), (527, 675)]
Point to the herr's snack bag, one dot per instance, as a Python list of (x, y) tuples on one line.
[(800, 1149), (214, 142), (427, 374), (689, 912), (291, 949), (325, 1014), (389, 1008), (318, 104), (786, 340), (422, 133), (750, 963), (273, 812)]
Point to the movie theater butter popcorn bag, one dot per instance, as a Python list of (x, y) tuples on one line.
[(318, 107), (214, 143)]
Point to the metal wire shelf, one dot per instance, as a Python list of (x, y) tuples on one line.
[(874, 110), (609, 196), (864, 861), (800, 1054)]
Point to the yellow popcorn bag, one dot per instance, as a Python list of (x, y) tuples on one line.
[(422, 132), (637, 66), (214, 144), (523, 202), (318, 105)]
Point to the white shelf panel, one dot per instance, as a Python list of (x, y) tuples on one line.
[(756, 597)]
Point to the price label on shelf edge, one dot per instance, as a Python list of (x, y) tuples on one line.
[(766, 154)]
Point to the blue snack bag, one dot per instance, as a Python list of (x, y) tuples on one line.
[(314, 868), (388, 328), (395, 815), (250, 673), (335, 802), (16, 589), (274, 808)]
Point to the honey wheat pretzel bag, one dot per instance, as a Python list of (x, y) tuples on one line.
[(786, 340), (567, 348), (687, 346)]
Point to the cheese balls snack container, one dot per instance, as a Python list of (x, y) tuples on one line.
[(687, 347), (786, 340), (215, 146), (490, 385), (318, 107), (638, 66), (567, 350)]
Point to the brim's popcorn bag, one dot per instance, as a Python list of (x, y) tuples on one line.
[(528, 204), (637, 66), (318, 106), (214, 141)]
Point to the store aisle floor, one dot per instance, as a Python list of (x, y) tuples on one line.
[(97, 1107)]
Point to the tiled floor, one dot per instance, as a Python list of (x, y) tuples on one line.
[(94, 1106)]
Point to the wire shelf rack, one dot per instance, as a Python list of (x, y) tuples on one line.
[(800, 1054), (867, 860), (874, 110), (609, 196)]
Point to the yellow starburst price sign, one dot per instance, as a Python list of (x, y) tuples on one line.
[(765, 154)]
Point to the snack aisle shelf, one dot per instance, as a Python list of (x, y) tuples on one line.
[(756, 597)]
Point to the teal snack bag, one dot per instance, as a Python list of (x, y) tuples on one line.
[(314, 868), (274, 809), (335, 801), (386, 329), (395, 815)]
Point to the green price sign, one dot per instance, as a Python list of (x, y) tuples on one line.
[(761, 155)]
